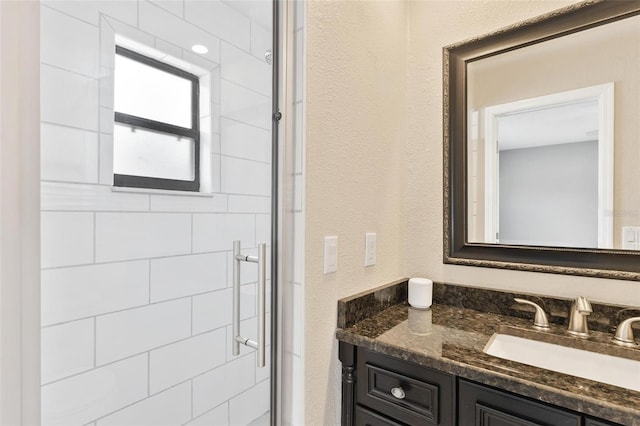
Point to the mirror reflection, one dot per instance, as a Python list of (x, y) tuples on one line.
[(552, 142)]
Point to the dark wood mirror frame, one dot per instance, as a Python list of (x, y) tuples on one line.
[(617, 264)]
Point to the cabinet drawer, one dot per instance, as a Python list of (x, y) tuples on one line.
[(483, 406), (365, 417), (404, 391), (596, 422)]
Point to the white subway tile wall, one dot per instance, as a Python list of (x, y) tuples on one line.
[(245, 105), (69, 43), (217, 416), (66, 238), (196, 274), (87, 396), (207, 392), (173, 6), (249, 405), (212, 310), (245, 141), (214, 232), (69, 154), (74, 293), (222, 20), (169, 408), (68, 99), (136, 297), (186, 359), (124, 236), (125, 333), (240, 68), (67, 349), (234, 176)]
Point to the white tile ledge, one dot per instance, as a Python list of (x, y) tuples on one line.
[(150, 191)]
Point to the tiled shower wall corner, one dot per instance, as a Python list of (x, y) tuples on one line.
[(136, 298)]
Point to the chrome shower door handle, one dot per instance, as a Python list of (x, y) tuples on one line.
[(261, 260), (262, 297)]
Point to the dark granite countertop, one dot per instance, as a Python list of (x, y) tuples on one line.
[(451, 339)]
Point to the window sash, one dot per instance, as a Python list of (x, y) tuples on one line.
[(170, 129)]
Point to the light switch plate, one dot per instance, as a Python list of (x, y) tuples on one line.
[(330, 254), (370, 249), (631, 238)]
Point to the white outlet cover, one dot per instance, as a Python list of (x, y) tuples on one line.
[(330, 254), (370, 249)]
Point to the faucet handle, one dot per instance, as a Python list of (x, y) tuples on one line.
[(624, 333), (540, 320), (578, 312), (583, 305)]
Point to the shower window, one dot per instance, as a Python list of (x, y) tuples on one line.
[(156, 129)]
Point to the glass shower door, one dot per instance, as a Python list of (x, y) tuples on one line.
[(138, 272)]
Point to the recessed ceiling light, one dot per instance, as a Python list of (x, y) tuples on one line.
[(198, 48)]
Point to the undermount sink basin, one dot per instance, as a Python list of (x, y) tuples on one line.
[(603, 368)]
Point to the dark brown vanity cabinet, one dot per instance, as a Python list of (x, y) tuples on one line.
[(483, 406), (390, 391), (380, 390), (480, 405), (595, 422)]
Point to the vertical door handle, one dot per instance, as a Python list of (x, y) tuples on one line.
[(261, 260)]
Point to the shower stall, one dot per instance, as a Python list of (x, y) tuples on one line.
[(166, 218)]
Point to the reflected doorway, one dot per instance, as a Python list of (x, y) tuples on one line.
[(548, 170)]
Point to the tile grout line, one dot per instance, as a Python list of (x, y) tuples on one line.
[(163, 212), (149, 360), (138, 401), (75, 73), (141, 259), (142, 306), (253, 126), (68, 15), (192, 24)]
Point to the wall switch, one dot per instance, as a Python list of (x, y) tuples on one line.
[(631, 238), (330, 254), (370, 249)]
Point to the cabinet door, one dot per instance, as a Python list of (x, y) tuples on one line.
[(483, 406), (487, 416)]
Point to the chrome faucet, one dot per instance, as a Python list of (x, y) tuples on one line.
[(624, 333), (580, 309), (540, 321)]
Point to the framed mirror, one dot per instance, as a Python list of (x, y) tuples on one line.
[(542, 144)]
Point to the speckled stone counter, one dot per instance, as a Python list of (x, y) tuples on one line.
[(451, 339)]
